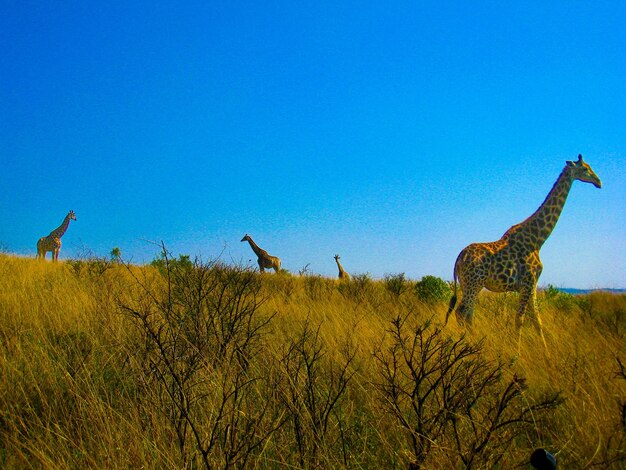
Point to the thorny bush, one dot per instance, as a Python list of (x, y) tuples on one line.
[(454, 406), (199, 335)]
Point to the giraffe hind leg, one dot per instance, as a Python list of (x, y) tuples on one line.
[(464, 314), (465, 311)]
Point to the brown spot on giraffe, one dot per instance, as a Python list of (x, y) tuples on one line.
[(512, 263), (52, 242)]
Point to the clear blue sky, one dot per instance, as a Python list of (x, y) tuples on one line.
[(392, 133)]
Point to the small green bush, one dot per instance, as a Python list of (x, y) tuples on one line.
[(432, 289), (559, 299), (165, 261), (551, 292), (116, 254)]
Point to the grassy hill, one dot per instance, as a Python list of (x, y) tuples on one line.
[(205, 365)]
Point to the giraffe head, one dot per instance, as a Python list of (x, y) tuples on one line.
[(245, 238), (71, 215), (580, 170), (336, 257)]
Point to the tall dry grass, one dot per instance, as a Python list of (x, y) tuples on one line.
[(111, 366)]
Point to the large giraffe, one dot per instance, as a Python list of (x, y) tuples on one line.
[(264, 259), (53, 241), (342, 274), (512, 263)]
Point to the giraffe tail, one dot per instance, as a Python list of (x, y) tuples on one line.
[(453, 299)]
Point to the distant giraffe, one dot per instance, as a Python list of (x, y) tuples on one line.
[(264, 259), (342, 274), (53, 241), (512, 263)]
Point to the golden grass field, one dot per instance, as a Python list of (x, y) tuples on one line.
[(106, 365)]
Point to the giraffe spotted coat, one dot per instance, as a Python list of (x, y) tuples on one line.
[(264, 259), (52, 242), (512, 263)]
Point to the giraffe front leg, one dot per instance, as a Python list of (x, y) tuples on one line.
[(528, 292), (519, 319), (528, 302), (535, 317)]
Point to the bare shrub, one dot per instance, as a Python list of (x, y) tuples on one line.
[(87, 263), (607, 310), (311, 391), (614, 453), (397, 284), (316, 287), (359, 288), (444, 394), (200, 331), (305, 270), (621, 374)]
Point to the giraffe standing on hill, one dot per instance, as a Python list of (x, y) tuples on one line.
[(53, 241), (342, 274), (264, 259), (512, 263)]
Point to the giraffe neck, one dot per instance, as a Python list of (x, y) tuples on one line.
[(259, 252), (60, 231), (339, 266), (536, 229)]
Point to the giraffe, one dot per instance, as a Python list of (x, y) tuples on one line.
[(342, 274), (512, 263), (264, 259), (53, 241)]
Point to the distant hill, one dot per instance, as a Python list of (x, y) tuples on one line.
[(572, 291)]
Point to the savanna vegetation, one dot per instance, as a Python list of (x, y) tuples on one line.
[(197, 364)]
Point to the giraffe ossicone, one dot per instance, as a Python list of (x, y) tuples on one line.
[(264, 259), (512, 263), (52, 242)]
